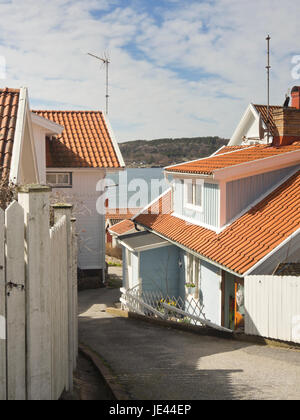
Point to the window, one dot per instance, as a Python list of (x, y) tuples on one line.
[(59, 179), (193, 193), (193, 275)]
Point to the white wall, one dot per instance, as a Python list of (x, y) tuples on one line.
[(272, 307), (211, 291), (90, 224), (39, 135), (27, 173), (209, 215)]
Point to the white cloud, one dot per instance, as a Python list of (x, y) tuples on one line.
[(45, 45)]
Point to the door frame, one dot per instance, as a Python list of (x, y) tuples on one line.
[(237, 280)]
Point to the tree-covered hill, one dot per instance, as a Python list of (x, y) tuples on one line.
[(164, 152)]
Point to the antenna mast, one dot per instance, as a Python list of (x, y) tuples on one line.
[(106, 62), (268, 67)]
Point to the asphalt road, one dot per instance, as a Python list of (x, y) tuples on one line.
[(153, 362)]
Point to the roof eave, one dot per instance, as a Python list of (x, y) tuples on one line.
[(257, 166), (50, 126), (196, 254)]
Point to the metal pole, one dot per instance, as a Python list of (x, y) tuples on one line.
[(268, 89), (107, 96), (106, 62)]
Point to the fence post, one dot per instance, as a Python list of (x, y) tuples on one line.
[(15, 303), (2, 313), (35, 201), (59, 211)]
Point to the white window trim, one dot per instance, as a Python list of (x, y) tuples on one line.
[(60, 185), (188, 205), (193, 266)]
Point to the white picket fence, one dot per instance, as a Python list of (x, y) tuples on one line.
[(272, 307), (38, 298)]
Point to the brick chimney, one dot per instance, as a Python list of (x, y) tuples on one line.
[(287, 121), (296, 97)]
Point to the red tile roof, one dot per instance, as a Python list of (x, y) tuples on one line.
[(121, 214), (246, 154), (85, 141), (122, 227), (263, 110), (228, 149), (9, 104), (247, 240)]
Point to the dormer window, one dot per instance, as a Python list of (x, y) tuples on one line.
[(193, 194)]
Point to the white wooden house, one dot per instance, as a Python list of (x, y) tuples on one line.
[(70, 150), (76, 161), (226, 218)]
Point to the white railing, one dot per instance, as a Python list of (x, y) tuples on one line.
[(156, 304), (38, 298)]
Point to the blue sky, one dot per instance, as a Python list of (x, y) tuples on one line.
[(178, 67)]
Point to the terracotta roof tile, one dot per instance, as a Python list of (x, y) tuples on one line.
[(122, 227), (238, 156), (9, 103), (247, 240), (85, 141), (263, 110), (121, 213), (228, 149)]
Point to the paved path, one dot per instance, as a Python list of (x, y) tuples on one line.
[(154, 362)]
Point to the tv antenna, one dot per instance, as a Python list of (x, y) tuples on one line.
[(268, 67), (106, 62)]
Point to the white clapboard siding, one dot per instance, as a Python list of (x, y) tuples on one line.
[(90, 224), (272, 307), (15, 280), (2, 313)]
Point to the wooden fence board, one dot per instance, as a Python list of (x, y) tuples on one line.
[(276, 312), (16, 311), (2, 312), (38, 319), (36, 209)]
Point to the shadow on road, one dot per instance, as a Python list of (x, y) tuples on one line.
[(154, 362)]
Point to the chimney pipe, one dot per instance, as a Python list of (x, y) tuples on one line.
[(296, 97)]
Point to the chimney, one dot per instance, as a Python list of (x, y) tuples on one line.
[(296, 97), (287, 124)]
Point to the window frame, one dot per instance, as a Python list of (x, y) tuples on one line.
[(194, 182), (193, 274), (60, 185)]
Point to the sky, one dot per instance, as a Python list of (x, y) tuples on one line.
[(178, 68)]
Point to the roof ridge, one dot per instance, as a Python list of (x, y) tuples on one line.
[(9, 90), (274, 106), (66, 111)]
